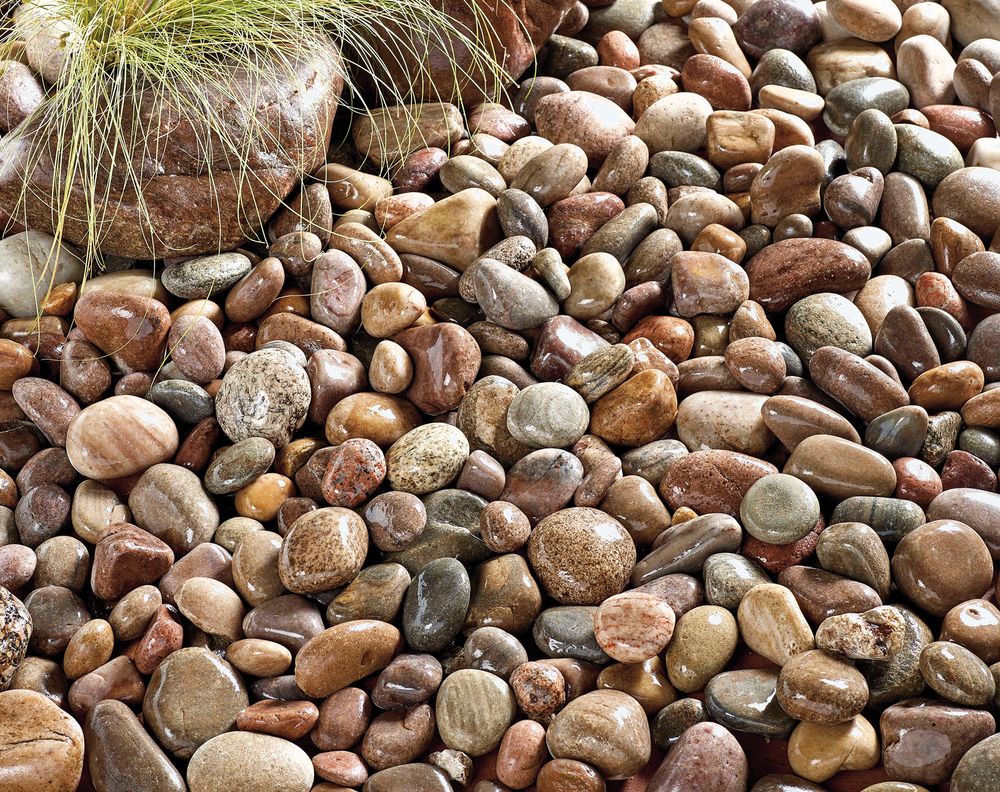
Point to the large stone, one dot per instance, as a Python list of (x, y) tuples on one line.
[(281, 130)]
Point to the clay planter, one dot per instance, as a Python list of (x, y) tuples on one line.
[(189, 209)]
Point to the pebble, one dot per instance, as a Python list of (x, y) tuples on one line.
[(779, 509), (923, 739), (426, 458), (771, 623), (633, 627), (42, 746), (121, 754), (474, 708), (819, 687), (787, 271), (956, 674), (242, 413), (228, 759), (436, 604), (605, 728), (581, 555), (705, 756), (703, 643), (835, 467), (361, 646), (325, 548), (938, 587), (120, 436), (172, 708), (855, 550), (818, 751), (745, 700)]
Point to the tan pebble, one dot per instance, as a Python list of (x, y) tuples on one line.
[(258, 657), (818, 751), (389, 308), (391, 369), (804, 104), (772, 625), (261, 499), (646, 682), (91, 646), (703, 644), (212, 606)]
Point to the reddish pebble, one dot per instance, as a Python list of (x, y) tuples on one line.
[(355, 470), (539, 688), (962, 469), (504, 528), (288, 719), (632, 627), (916, 481)]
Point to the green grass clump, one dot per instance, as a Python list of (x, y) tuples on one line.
[(98, 57)]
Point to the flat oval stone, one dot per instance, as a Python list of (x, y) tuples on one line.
[(787, 271), (474, 708), (978, 509), (426, 458), (169, 502), (436, 604), (120, 436), (847, 100), (746, 700), (857, 384), (568, 631), (826, 319), (837, 468), (414, 777), (511, 299), (956, 674), (360, 647), (953, 198), (192, 697), (605, 728)]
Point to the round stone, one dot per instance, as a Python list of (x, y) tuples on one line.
[(606, 729), (426, 458), (548, 415), (265, 394), (325, 548), (474, 709), (779, 509), (581, 556)]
